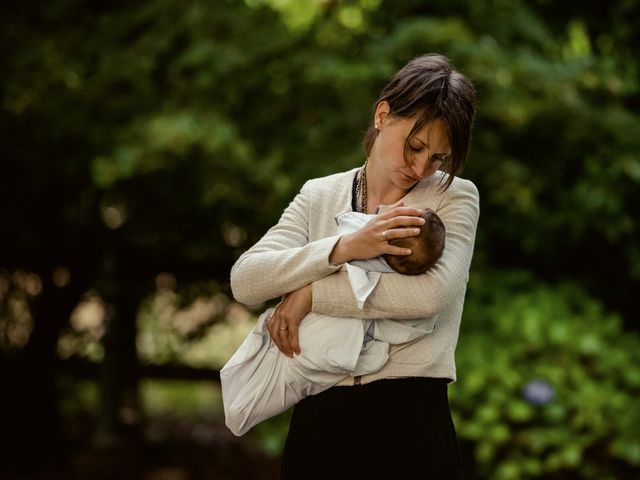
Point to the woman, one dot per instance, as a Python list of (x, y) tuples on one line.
[(395, 421)]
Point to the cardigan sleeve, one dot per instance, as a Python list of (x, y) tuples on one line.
[(404, 296), (283, 260)]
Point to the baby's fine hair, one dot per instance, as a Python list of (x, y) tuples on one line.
[(426, 248)]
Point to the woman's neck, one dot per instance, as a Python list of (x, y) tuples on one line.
[(380, 191)]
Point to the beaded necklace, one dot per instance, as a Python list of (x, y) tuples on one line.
[(361, 188)]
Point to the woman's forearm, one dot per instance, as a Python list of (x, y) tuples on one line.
[(396, 296), (264, 272), (284, 259)]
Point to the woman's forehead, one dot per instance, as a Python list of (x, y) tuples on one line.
[(434, 135)]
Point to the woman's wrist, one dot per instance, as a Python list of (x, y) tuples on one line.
[(341, 251)]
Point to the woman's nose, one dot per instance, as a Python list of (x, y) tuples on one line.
[(424, 168)]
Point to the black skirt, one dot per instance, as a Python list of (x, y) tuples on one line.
[(391, 428)]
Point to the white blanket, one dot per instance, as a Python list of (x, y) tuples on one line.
[(363, 274), (259, 381)]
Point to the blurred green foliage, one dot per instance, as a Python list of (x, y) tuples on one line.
[(180, 131), (515, 333), (188, 336), (180, 398)]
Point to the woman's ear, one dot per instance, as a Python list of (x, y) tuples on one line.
[(382, 113)]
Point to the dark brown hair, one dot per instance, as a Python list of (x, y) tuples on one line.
[(429, 88), (426, 248)]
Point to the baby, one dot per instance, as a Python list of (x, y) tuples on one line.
[(426, 248), (259, 381)]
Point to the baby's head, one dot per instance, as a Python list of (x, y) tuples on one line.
[(426, 247)]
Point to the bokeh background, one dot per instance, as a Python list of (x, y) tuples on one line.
[(145, 145)]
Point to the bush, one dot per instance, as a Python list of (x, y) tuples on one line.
[(549, 383)]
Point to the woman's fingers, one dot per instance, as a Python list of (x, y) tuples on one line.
[(280, 337), (293, 337), (394, 233), (372, 239), (388, 248), (285, 321), (285, 345), (392, 250), (402, 221), (298, 305), (393, 212), (272, 325)]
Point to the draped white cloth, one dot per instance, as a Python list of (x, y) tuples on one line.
[(259, 382), (363, 274)]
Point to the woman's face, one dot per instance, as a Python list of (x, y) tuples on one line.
[(429, 148)]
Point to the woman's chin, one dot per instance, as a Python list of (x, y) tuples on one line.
[(406, 181)]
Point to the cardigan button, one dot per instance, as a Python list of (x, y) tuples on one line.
[(356, 380)]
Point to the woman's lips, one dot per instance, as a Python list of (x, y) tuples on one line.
[(408, 178)]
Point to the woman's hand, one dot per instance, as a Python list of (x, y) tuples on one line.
[(285, 320), (372, 240)]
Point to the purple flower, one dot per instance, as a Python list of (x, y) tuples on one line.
[(538, 392)]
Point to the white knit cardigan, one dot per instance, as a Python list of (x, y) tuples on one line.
[(295, 252)]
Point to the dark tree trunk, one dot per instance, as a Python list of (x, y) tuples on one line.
[(123, 287), (31, 423)]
